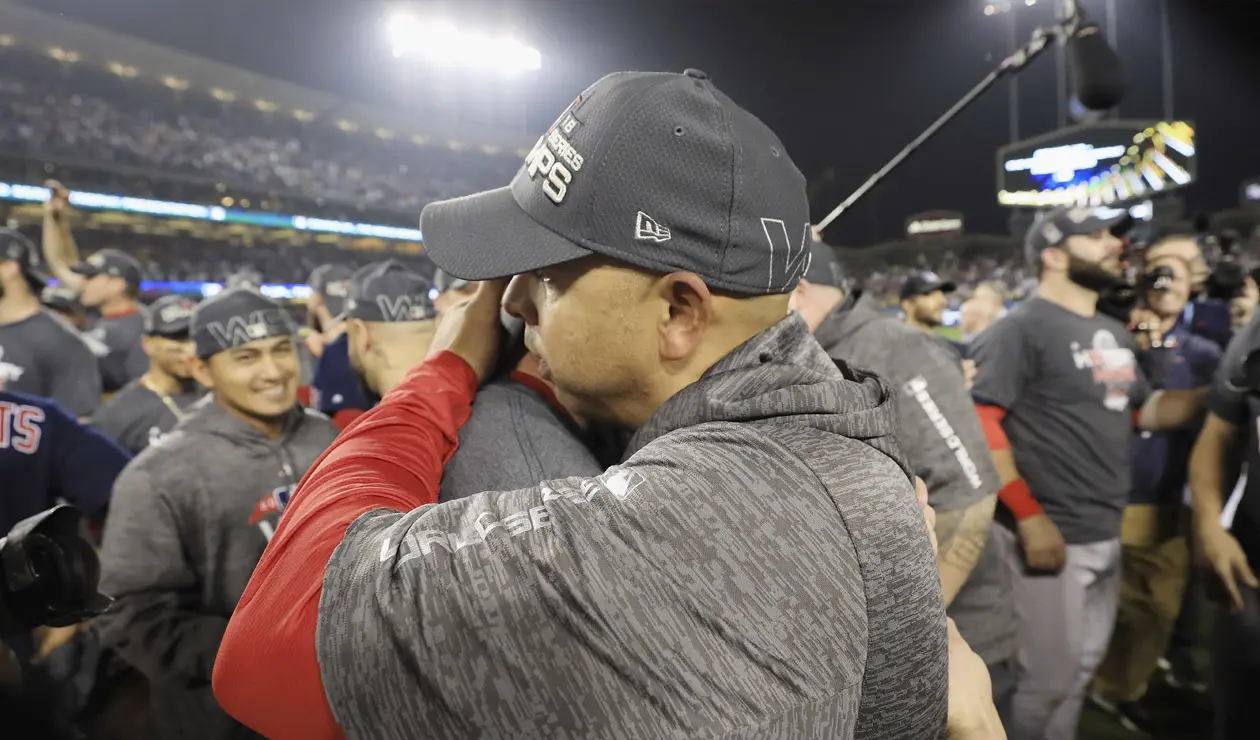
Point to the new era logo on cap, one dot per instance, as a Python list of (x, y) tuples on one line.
[(646, 227), (708, 187)]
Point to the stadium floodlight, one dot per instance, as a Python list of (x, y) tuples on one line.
[(441, 43)]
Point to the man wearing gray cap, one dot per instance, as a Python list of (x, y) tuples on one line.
[(191, 515), (149, 406), (756, 567), (942, 437), (1059, 391), (40, 354)]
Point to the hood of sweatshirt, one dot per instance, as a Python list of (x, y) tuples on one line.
[(783, 375)]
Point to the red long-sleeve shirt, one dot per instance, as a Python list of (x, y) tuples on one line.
[(267, 673)]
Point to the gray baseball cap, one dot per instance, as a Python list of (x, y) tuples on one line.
[(387, 292), (235, 317), (659, 170), (332, 283), (1052, 228), (170, 316), (824, 267), (113, 262)]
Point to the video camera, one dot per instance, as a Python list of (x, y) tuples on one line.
[(48, 574)]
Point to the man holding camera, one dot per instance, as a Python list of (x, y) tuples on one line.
[(1059, 391), (1155, 556)]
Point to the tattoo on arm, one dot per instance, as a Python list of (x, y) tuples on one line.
[(962, 535)]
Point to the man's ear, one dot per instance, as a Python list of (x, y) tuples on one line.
[(690, 313), (1055, 258), (200, 370)]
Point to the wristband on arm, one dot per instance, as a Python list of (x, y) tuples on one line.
[(1015, 495)]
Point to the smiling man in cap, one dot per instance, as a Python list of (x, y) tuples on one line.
[(757, 566), (149, 406), (191, 514)]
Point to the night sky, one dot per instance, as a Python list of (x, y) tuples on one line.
[(844, 84)]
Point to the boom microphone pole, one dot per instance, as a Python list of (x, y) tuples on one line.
[(1099, 77)]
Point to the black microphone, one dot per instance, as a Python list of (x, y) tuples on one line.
[(1100, 80)]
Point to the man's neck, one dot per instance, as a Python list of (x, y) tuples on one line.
[(1064, 293), (397, 367), (15, 307), (162, 383), (119, 306), (910, 321), (273, 428), (1166, 323)]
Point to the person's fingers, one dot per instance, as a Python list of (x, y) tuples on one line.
[(1225, 571), (1245, 573), (920, 492)]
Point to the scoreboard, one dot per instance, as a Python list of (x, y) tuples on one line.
[(1098, 163)]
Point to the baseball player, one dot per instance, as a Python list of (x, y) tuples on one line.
[(149, 406), (40, 354), (192, 514), (1059, 391)]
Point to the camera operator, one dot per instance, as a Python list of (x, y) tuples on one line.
[(148, 407), (649, 600), (1231, 552), (1155, 555), (941, 435), (40, 354), (1059, 391), (192, 514)]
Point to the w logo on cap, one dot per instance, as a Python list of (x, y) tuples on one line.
[(787, 261)]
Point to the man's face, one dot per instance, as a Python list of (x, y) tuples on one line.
[(171, 356), (928, 309), (357, 334), (1099, 251), (976, 315), (258, 379), (594, 327), (100, 288), (1170, 301), (1187, 250)]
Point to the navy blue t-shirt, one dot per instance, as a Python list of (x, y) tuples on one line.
[(1161, 460), (46, 454), (336, 385)]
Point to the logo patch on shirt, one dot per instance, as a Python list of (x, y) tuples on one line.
[(1112, 366)]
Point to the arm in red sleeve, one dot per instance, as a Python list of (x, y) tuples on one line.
[(1014, 494), (267, 673), (345, 417)]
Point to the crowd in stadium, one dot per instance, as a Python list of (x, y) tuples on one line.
[(81, 113), (559, 488)]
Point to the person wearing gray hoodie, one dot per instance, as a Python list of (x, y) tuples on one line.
[(756, 567), (191, 515), (942, 436)]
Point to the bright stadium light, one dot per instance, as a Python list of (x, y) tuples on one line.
[(440, 42)]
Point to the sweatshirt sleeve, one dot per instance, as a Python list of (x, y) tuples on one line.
[(267, 674), (153, 624), (86, 464)]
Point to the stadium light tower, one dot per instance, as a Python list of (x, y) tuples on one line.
[(442, 43)]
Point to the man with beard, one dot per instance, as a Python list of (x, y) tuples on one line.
[(107, 282), (147, 408), (924, 300), (191, 515), (757, 565), (1059, 391), (40, 354), (946, 446), (518, 432)]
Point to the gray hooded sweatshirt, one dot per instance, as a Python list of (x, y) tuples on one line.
[(188, 522), (756, 568), (941, 434)]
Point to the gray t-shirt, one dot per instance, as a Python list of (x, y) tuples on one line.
[(1070, 385), (514, 438), (44, 356), (136, 416), (124, 360), (941, 435)]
